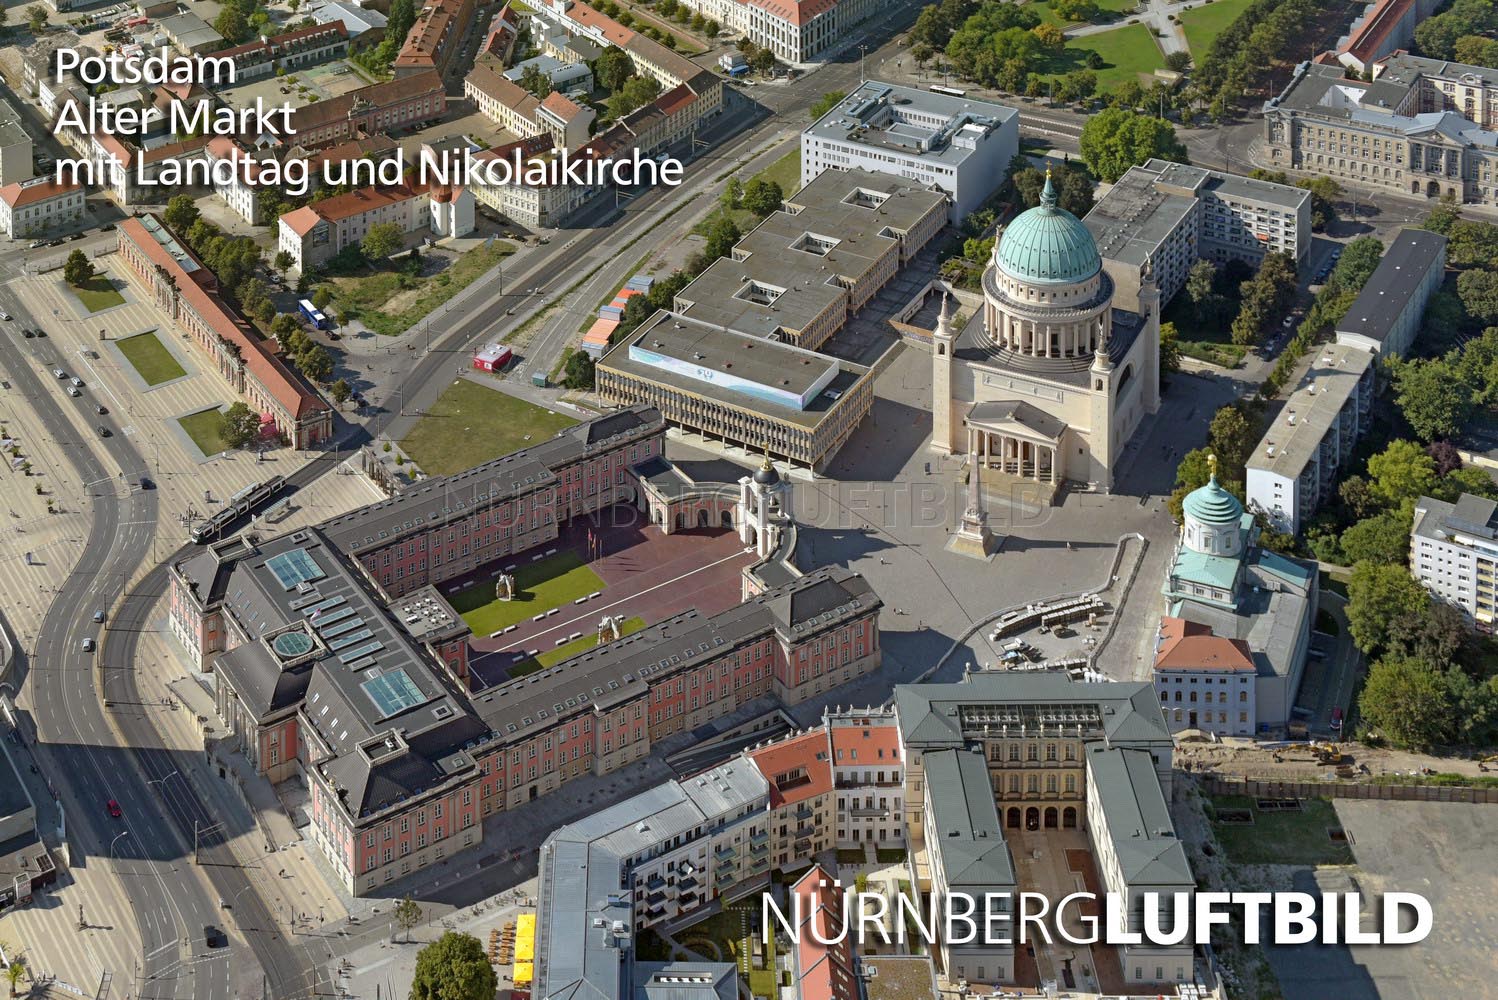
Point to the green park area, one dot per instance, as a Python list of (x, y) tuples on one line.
[(1254, 835), (1207, 342), (472, 423), (1108, 10), (1128, 53), (539, 587), (785, 171), (566, 651), (150, 358), (389, 300), (97, 294), (203, 427), (1205, 21)]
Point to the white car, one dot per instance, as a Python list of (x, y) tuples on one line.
[(78, 381), (73, 391), (59, 373)]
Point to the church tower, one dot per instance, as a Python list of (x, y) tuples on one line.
[(943, 340), (1102, 404)]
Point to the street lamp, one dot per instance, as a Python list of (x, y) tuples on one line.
[(163, 780), (116, 840)]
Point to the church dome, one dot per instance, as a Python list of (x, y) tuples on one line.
[(1211, 504), (766, 475), (1048, 245)]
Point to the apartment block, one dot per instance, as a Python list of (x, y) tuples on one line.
[(1293, 470), (316, 233), (1385, 317), (32, 207), (1454, 553), (1173, 215)]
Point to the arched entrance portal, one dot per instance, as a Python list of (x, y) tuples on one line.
[(1013, 822), (702, 519), (727, 519), (1032, 818), (1050, 818), (1069, 817)]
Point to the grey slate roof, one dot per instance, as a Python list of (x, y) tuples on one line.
[(1400, 271), (1144, 840), (446, 498), (1120, 712), (1470, 515), (970, 837)]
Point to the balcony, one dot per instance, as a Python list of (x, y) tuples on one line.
[(759, 837), (868, 812), (804, 811), (803, 846), (805, 832), (725, 852)]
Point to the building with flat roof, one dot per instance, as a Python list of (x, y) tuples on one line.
[(15, 146), (1385, 317), (1040, 751), (1422, 126), (191, 34), (1293, 470), (1173, 215), (1454, 553), (762, 394), (960, 145), (26, 865), (365, 25)]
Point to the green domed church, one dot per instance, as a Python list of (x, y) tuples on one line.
[(1049, 381)]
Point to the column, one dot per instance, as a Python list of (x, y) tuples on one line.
[(1054, 451)]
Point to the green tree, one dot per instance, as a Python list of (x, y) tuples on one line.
[(1475, 50), (1478, 291), (321, 297), (340, 391), (826, 103), (637, 92), (733, 195), (233, 25), (1052, 37), (1170, 348), (1232, 436), (1472, 244), (1402, 471), (282, 328), (1377, 594), (77, 270), (722, 234), (578, 372), (1178, 61), (283, 261), (535, 82), (316, 363), (762, 197), (1324, 193), (36, 18), (399, 21), (1383, 538), (381, 241), (1434, 397), (612, 69), (1405, 700), (1115, 140), (407, 914), (1075, 10), (180, 214), (15, 972), (238, 425), (453, 967), (1072, 184)]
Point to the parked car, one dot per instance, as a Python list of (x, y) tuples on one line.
[(100, 409), (98, 616), (77, 236), (77, 381), (5, 316), (28, 333), (73, 391), (1337, 719), (108, 227)]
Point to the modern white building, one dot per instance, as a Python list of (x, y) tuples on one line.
[(1173, 215), (959, 145), (1385, 317), (1454, 553), (1293, 470), (32, 207)]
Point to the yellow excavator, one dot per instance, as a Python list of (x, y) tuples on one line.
[(1328, 753), (1482, 765)]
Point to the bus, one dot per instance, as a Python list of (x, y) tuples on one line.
[(949, 91), (241, 504), (312, 314)]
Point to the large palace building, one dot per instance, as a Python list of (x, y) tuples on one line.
[(1049, 381)]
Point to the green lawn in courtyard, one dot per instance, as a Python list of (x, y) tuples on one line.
[(539, 586), (98, 294), (150, 358), (1280, 837), (1127, 53), (472, 423), (1205, 21), (202, 427), (552, 657), (1213, 345)]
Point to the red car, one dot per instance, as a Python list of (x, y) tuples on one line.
[(114, 808), (1337, 719)]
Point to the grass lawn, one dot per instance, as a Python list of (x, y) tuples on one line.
[(1108, 10), (539, 586), (730, 932), (150, 359), (202, 427), (1205, 21), (390, 303), (1127, 52), (472, 423), (890, 855), (1291, 837), (785, 171), (552, 657), (98, 294), (1213, 345)]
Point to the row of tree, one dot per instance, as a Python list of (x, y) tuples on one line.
[(1354, 268), (1267, 34), (1264, 298), (1115, 140), (379, 58), (1463, 31)]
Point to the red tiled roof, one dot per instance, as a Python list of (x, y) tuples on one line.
[(798, 12), (1376, 26), (796, 768), (878, 743), (562, 106), (301, 220), (378, 95), (824, 972), (19, 195), (278, 380), (346, 206), (1191, 646)]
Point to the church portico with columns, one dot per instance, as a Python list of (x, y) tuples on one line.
[(1048, 381)]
